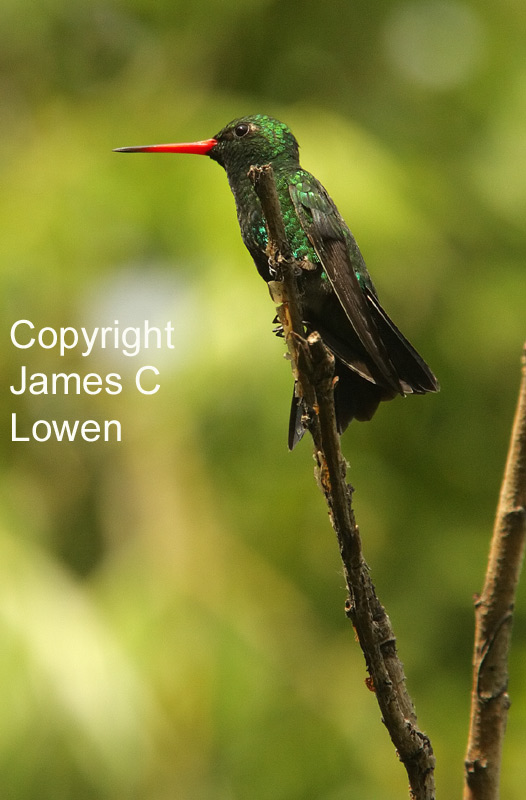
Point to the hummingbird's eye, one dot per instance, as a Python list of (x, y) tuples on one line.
[(241, 130)]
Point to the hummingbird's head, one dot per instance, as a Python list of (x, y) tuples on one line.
[(249, 141), (254, 141)]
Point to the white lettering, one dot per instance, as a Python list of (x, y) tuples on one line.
[(64, 345), (131, 348), (117, 425), (13, 331), (130, 340), (14, 437), (139, 384), (54, 338), (65, 379), (90, 341), (90, 430), (92, 380), (113, 380), (47, 429), (169, 330), (22, 383)]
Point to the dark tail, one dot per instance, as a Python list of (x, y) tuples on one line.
[(354, 398)]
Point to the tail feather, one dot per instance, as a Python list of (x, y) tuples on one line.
[(354, 398)]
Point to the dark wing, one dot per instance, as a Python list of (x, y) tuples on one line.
[(337, 250), (410, 366)]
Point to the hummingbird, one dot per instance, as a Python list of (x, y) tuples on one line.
[(373, 360)]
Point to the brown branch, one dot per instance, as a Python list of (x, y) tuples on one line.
[(314, 371), (493, 620)]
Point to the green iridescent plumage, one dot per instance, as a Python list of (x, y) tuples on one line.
[(373, 360)]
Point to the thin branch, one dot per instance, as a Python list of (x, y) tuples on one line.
[(314, 370), (493, 620)]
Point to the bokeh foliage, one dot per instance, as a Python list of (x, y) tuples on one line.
[(171, 607)]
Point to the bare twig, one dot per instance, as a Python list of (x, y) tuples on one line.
[(493, 620), (314, 370)]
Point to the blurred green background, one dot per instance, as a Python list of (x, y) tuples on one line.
[(171, 607)]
